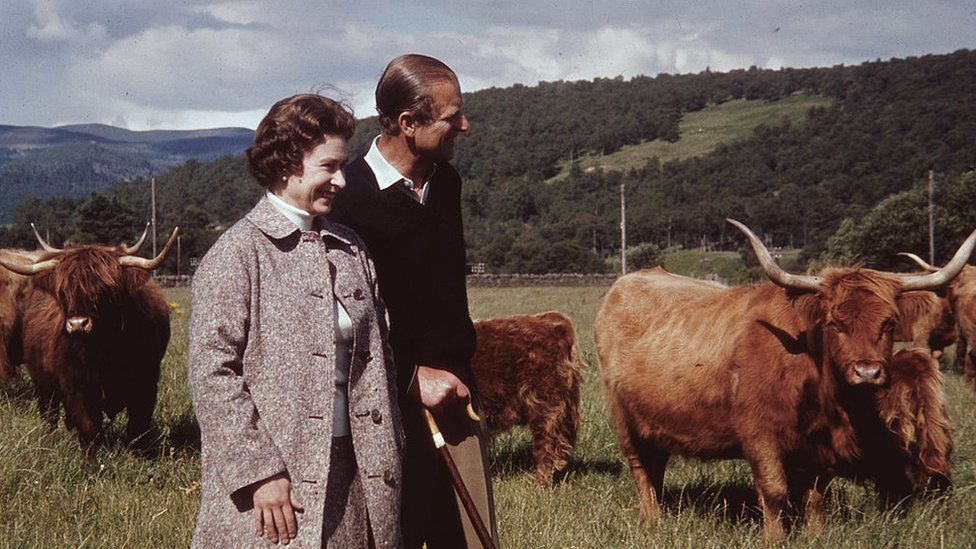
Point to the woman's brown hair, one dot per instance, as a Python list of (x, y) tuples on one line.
[(294, 126)]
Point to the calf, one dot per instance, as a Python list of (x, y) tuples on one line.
[(528, 372)]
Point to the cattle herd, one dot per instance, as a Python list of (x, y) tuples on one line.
[(799, 377)]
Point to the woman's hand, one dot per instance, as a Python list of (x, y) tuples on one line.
[(275, 504)]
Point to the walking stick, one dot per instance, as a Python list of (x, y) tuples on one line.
[(459, 487)]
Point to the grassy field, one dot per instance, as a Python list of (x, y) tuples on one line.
[(702, 131), (49, 498)]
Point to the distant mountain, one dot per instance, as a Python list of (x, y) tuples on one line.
[(79, 159), (30, 137), (155, 136)]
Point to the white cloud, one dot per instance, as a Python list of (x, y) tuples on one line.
[(220, 62), (52, 27)]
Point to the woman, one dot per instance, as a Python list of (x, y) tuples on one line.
[(289, 369)]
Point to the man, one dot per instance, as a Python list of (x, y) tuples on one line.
[(404, 199)]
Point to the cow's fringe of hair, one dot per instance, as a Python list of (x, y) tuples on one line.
[(912, 408)]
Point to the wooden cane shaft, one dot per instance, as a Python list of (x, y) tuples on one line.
[(462, 491)]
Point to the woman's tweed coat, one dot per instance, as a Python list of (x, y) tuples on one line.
[(261, 373)]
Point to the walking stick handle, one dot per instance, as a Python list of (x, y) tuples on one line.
[(435, 431)]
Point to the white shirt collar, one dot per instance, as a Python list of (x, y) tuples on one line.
[(388, 176), (302, 219)]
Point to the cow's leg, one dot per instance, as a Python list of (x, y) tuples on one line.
[(771, 486), (553, 437), (545, 442), (807, 494), (969, 369), (140, 407), (654, 461), (961, 351), (82, 410), (48, 400), (648, 499)]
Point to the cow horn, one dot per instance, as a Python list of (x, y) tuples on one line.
[(150, 264), (29, 268), (134, 249), (47, 247), (919, 261), (774, 271), (944, 275)]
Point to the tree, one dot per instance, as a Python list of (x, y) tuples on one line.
[(105, 220)]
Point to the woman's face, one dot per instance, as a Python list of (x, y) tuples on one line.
[(321, 177)]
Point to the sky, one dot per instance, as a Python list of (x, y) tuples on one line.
[(187, 64)]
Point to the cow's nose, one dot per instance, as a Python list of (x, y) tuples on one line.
[(78, 325), (868, 371)]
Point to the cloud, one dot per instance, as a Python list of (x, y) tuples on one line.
[(51, 27), (195, 62)]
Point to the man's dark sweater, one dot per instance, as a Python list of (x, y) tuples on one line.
[(418, 250)]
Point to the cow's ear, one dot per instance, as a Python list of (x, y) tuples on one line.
[(133, 278), (913, 306), (811, 306), (43, 281)]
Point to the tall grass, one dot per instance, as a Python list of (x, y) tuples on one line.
[(50, 498)]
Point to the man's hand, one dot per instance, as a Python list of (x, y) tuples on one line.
[(438, 389), (275, 505)]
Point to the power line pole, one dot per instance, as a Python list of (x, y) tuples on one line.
[(178, 258), (931, 220), (623, 232), (154, 215)]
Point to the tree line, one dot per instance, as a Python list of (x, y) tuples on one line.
[(794, 183)]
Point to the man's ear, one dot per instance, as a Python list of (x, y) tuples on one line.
[(407, 123)]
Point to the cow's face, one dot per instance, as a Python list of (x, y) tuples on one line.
[(859, 310), (860, 315), (87, 283)]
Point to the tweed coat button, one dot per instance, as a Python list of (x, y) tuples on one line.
[(358, 294), (388, 477), (367, 357), (376, 416)]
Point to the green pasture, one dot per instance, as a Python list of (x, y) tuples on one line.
[(50, 498), (700, 132)]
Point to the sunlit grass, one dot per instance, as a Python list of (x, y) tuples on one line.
[(702, 131)]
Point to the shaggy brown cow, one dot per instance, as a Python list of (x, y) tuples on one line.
[(961, 296), (528, 372), (755, 372), (904, 434), (95, 328), (12, 288)]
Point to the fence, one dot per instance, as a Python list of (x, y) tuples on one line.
[(476, 280)]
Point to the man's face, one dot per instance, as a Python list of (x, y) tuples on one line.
[(435, 139)]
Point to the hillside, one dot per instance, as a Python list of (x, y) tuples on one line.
[(790, 152), (701, 132), (74, 161)]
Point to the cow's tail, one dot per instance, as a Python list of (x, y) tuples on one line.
[(574, 368)]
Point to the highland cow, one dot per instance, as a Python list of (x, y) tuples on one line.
[(528, 371), (760, 372)]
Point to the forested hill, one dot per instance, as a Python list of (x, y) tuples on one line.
[(883, 125), (73, 161)]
